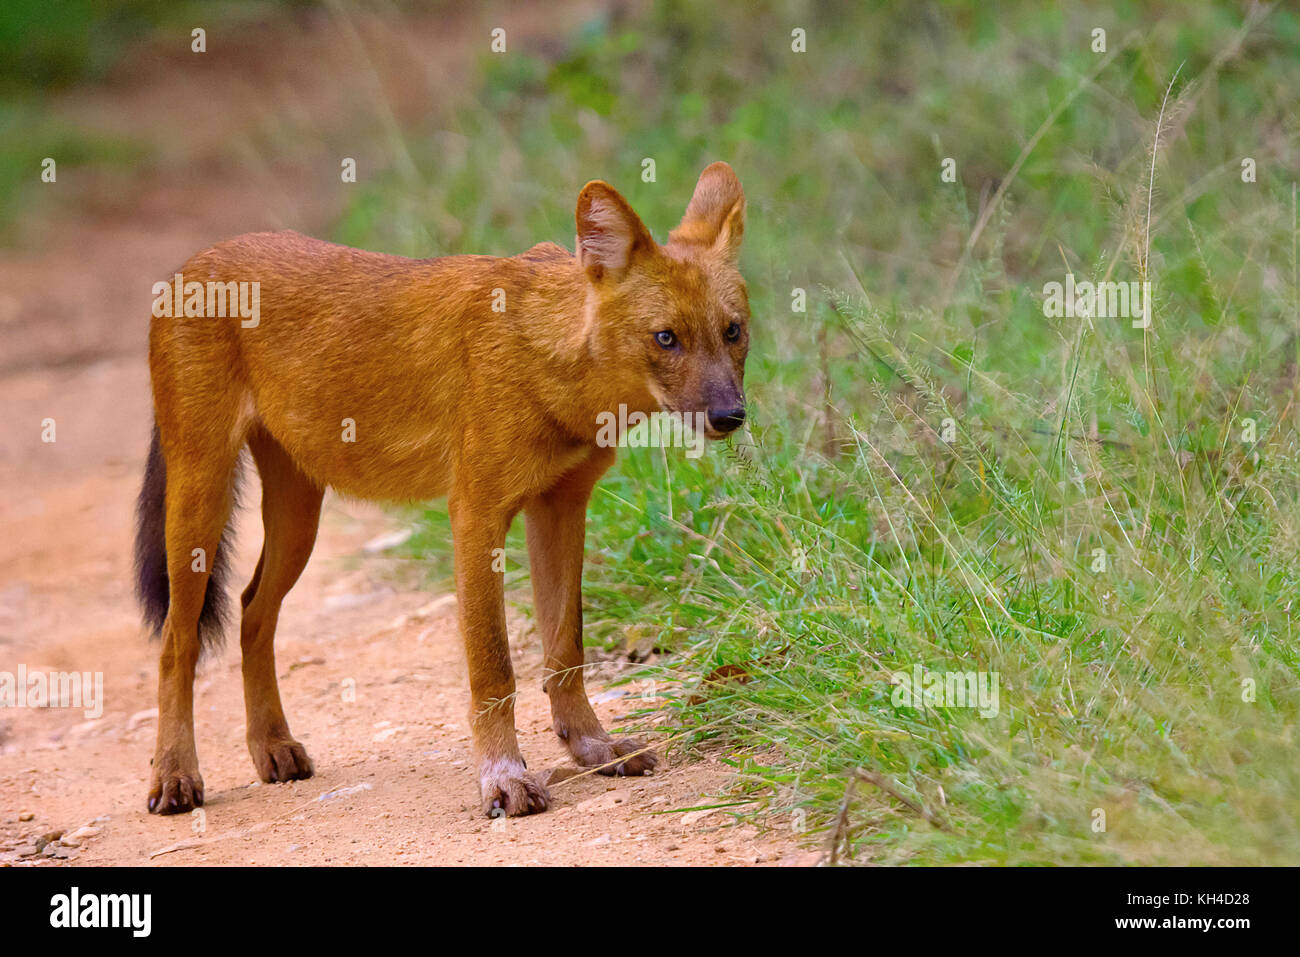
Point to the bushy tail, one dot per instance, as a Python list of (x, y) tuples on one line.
[(151, 585)]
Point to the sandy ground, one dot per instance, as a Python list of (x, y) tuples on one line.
[(393, 782)]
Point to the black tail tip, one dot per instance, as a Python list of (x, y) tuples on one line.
[(152, 587)]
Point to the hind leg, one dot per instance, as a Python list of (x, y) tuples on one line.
[(290, 514), (198, 503)]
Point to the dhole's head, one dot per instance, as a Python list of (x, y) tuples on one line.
[(670, 324)]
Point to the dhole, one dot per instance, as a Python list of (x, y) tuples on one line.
[(494, 408)]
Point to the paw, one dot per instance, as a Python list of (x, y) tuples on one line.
[(510, 787), (614, 756), (174, 791), (283, 759)]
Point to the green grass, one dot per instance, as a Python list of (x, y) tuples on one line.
[(842, 540)]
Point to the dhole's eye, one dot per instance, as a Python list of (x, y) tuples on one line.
[(733, 332), (666, 339)]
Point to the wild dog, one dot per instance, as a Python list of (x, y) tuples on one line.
[(474, 377)]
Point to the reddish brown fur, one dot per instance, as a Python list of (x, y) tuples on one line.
[(496, 410)]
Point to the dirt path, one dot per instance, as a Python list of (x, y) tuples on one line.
[(393, 781)]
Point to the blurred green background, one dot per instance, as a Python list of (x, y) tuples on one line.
[(1112, 526)]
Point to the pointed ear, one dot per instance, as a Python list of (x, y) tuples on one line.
[(610, 235), (715, 216)]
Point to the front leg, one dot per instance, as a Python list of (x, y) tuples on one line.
[(505, 784), (557, 524)]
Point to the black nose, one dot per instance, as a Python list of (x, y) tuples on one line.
[(727, 420)]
